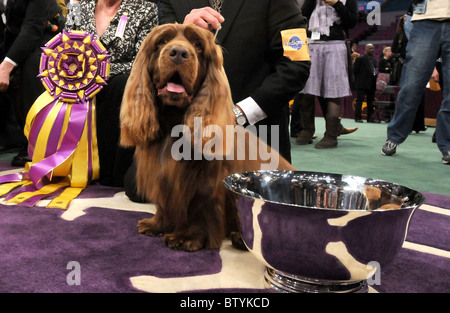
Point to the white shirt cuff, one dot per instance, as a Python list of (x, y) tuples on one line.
[(10, 61), (252, 110)]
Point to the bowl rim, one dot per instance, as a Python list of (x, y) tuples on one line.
[(409, 207)]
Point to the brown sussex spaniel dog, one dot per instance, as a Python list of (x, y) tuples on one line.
[(178, 82)]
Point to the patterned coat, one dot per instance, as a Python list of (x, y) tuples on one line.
[(142, 17)]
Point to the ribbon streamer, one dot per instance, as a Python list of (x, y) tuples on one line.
[(60, 126)]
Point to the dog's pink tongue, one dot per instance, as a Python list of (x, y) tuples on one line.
[(171, 87)]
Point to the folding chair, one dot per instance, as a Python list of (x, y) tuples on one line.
[(385, 103)]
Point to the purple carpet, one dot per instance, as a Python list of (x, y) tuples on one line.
[(37, 245)]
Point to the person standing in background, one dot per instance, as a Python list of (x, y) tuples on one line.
[(10, 133), (385, 65), (365, 82), (429, 38), (329, 24), (28, 28)]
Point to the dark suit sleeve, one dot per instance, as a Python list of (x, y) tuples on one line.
[(31, 31), (357, 66), (288, 77), (167, 14)]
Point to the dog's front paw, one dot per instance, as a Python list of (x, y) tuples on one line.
[(149, 227), (177, 242)]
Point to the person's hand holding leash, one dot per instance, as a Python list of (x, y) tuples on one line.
[(206, 18)]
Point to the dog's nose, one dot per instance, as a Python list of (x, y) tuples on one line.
[(178, 54)]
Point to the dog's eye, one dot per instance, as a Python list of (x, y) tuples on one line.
[(161, 42), (199, 46)]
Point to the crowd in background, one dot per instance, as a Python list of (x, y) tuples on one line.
[(406, 63)]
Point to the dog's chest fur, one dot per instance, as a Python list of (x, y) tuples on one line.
[(172, 177)]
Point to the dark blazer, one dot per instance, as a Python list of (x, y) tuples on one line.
[(253, 53), (364, 72), (26, 29), (2, 39)]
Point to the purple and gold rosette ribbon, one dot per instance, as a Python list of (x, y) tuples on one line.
[(61, 124)]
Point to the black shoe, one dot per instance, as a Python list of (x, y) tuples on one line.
[(420, 130), (446, 157), (359, 121), (21, 158), (389, 148)]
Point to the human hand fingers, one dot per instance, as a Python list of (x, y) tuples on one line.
[(205, 17), (4, 86)]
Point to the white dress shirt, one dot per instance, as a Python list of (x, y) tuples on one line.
[(251, 110)]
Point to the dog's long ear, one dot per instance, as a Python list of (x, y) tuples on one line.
[(213, 103), (138, 113)]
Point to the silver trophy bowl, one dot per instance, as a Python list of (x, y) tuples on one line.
[(321, 232)]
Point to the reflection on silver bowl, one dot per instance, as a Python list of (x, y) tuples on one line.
[(321, 232)]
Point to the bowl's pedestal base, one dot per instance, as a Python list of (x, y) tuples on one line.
[(284, 282)]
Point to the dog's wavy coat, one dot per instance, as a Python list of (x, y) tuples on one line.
[(178, 76)]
